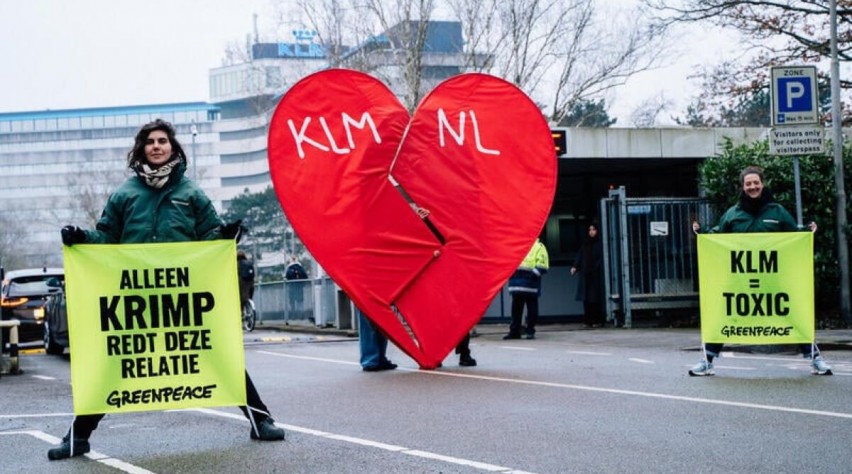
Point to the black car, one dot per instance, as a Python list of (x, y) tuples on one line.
[(56, 319), (23, 296)]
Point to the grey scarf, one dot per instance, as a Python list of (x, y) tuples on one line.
[(156, 177)]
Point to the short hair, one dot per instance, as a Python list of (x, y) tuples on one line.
[(136, 156), (751, 170)]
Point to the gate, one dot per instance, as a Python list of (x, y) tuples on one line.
[(650, 255)]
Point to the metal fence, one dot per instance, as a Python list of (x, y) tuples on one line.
[(650, 254), (285, 300), (316, 301)]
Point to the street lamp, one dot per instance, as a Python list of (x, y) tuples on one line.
[(194, 130), (837, 142)]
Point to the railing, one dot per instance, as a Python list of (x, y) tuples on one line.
[(650, 256), (315, 301), (284, 300)]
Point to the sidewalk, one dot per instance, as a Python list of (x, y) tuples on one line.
[(681, 338)]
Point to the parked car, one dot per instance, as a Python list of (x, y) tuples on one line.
[(56, 319), (23, 296)]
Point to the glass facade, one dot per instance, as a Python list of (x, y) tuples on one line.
[(58, 167)]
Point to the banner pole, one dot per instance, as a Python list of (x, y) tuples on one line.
[(798, 189)]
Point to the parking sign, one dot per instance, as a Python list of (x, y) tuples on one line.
[(794, 95)]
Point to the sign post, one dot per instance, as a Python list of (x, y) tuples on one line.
[(795, 118)]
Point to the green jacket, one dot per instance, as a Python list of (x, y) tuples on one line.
[(138, 213), (771, 218)]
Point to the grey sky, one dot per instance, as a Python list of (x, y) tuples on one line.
[(93, 53), (59, 54)]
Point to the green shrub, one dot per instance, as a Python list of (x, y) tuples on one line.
[(719, 178)]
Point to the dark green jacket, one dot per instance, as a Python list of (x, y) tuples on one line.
[(137, 213), (771, 218)]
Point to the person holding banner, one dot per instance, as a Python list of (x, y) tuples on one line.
[(158, 204), (373, 345), (755, 212), (463, 347)]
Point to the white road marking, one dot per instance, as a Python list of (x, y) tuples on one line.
[(43, 377), (731, 367), (93, 455), (616, 391), (734, 355), (319, 359), (516, 348), (589, 353), (641, 361), (39, 415), (376, 444)]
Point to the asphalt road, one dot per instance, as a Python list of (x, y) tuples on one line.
[(571, 401)]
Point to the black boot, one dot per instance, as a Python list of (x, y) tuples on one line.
[(63, 451), (267, 431), (465, 360)]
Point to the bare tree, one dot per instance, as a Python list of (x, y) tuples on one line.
[(646, 113), (11, 242), (772, 32), (601, 52), (258, 84), (329, 19), (85, 196), (534, 28), (479, 19), (405, 24), (89, 196), (560, 50), (563, 51)]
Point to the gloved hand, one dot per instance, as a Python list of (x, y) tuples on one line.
[(72, 235), (234, 230)]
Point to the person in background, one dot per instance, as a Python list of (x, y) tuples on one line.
[(296, 286), (525, 288), (463, 347), (245, 270), (373, 345), (295, 270), (463, 350), (589, 265), (756, 211), (158, 204)]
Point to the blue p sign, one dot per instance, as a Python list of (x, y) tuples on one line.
[(794, 94)]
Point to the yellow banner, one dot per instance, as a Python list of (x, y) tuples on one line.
[(154, 326), (756, 288)]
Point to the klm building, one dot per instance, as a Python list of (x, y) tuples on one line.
[(58, 167)]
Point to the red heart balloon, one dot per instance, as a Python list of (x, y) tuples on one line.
[(477, 153)]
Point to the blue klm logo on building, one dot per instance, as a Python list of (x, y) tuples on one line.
[(303, 48)]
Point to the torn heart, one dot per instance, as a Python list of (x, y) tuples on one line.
[(477, 153)]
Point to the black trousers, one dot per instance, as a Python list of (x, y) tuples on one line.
[(592, 314), (463, 349), (519, 301), (85, 424)]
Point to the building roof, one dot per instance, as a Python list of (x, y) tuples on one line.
[(102, 111)]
